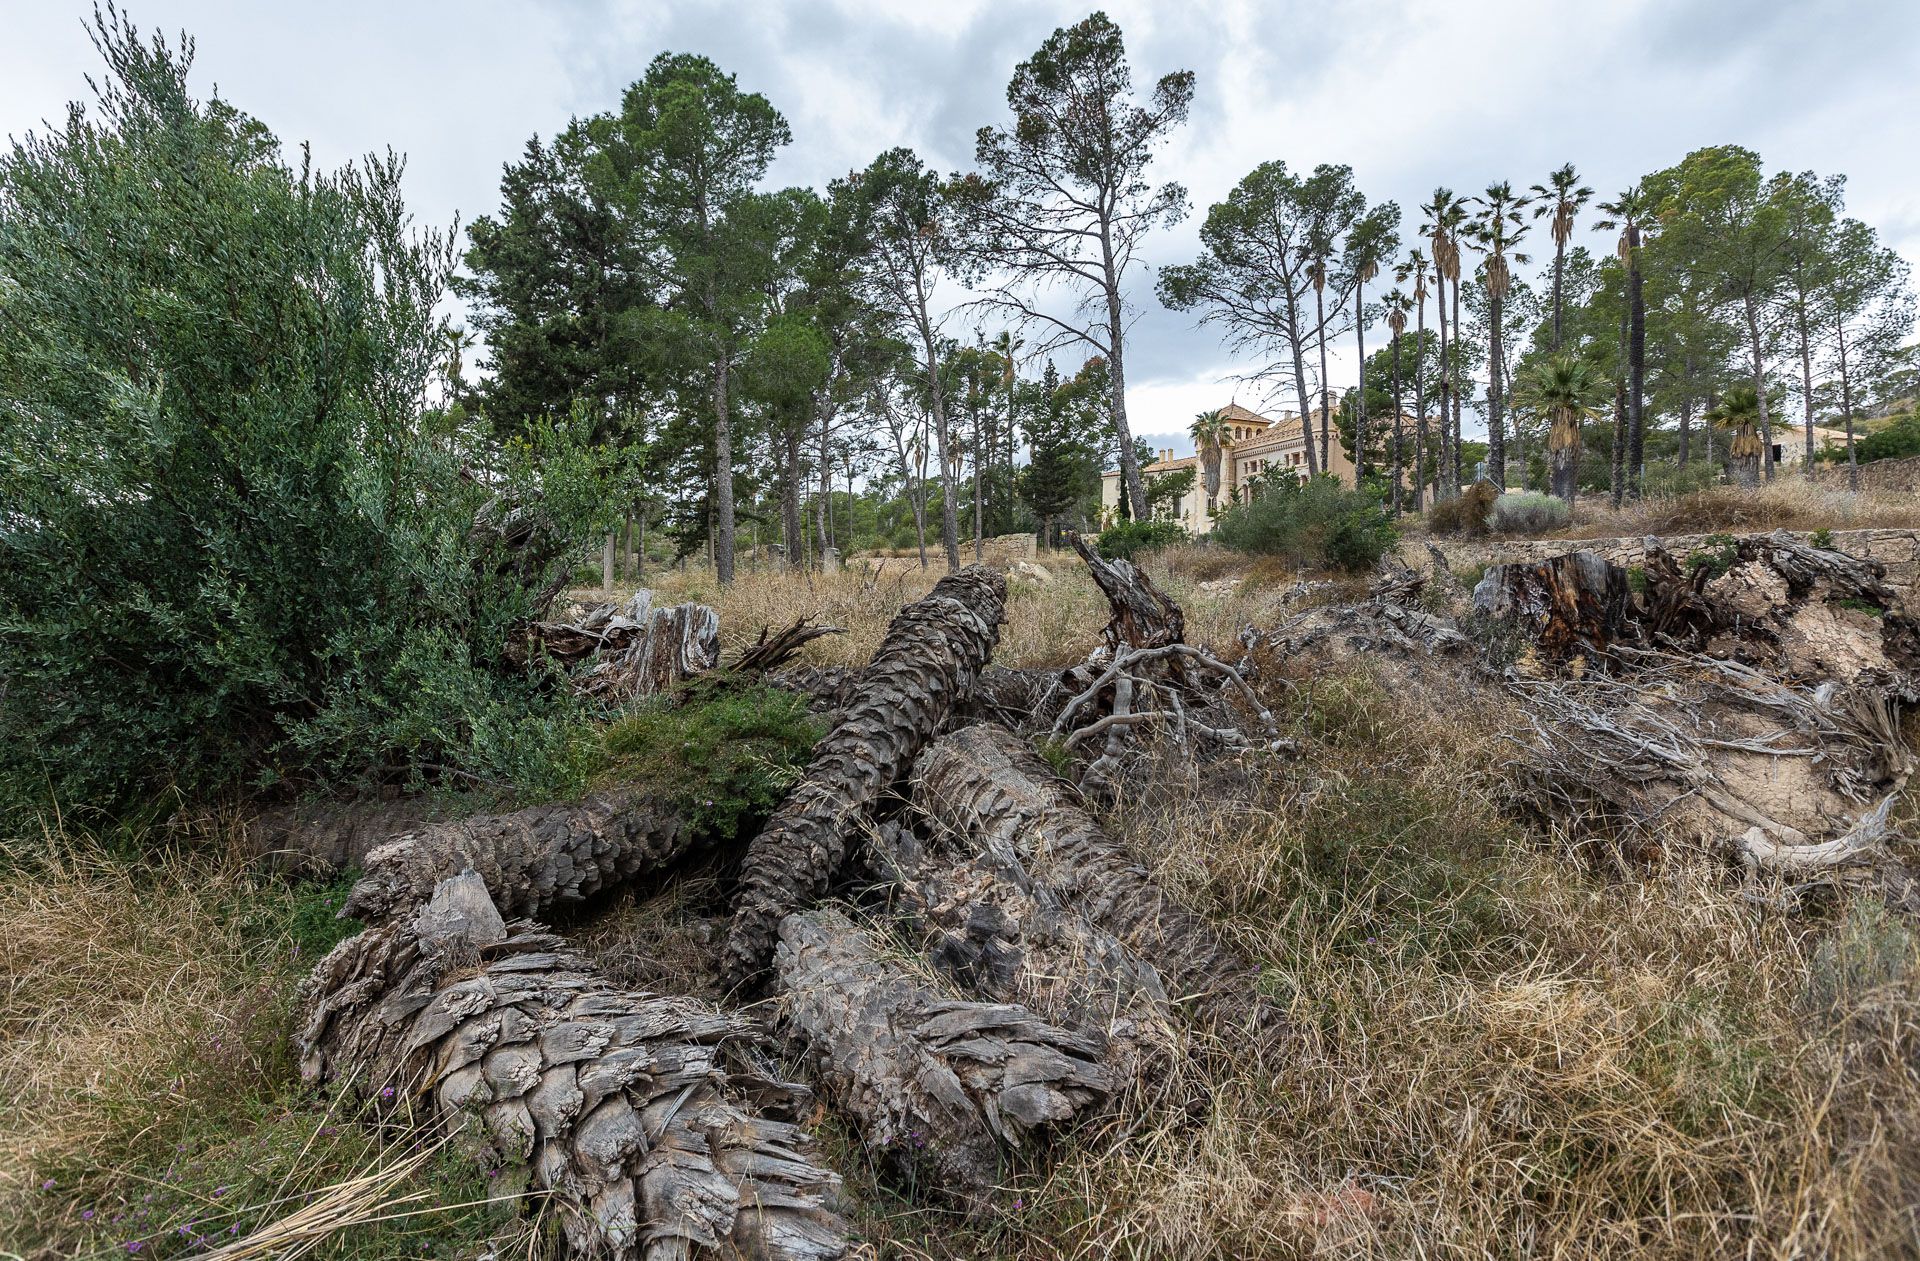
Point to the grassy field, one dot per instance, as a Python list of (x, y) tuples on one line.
[(1505, 1047)]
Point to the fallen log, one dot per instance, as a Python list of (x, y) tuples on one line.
[(1004, 936), (533, 861), (643, 1117), (933, 1082), (926, 666), (988, 785)]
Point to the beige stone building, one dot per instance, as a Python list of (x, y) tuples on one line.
[(1256, 445)]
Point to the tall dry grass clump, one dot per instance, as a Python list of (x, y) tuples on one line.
[(1789, 502)]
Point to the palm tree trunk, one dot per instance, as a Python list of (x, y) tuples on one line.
[(1441, 465), (1496, 422), (1559, 271), (1360, 449), (1420, 409), (1636, 364), (1619, 481), (1458, 391), (1399, 463)]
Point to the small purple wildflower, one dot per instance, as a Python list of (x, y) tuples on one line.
[(219, 1191), (1018, 1205), (47, 1185), (387, 1093), (134, 1245), (493, 1173), (86, 1214)]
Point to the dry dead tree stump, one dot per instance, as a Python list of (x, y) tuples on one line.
[(987, 785), (643, 1116), (634, 650), (925, 667), (932, 1081)]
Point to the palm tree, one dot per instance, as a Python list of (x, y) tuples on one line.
[(1561, 196), (1629, 213), (1396, 304), (1368, 244), (1739, 412), (1442, 216), (1497, 228), (1415, 268), (1211, 436), (1568, 389)]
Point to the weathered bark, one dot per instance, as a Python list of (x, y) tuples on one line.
[(1143, 616), (534, 861), (988, 785), (927, 665), (636, 649), (932, 1081), (640, 1115), (1002, 935), (1574, 605)]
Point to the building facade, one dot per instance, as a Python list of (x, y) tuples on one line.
[(1256, 446)]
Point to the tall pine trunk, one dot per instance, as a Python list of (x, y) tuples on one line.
[(1636, 365), (1320, 336), (722, 529), (1846, 405), (1360, 451), (1759, 372)]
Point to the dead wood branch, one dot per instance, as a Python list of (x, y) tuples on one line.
[(927, 665), (931, 1081), (643, 1116)]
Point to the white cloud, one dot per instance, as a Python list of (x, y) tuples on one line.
[(1410, 95)]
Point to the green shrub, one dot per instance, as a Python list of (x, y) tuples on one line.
[(1125, 539), (1466, 513), (725, 760), (1314, 523), (1897, 439), (1719, 553), (233, 548), (1528, 512), (1821, 538)]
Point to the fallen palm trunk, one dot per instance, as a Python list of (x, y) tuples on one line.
[(927, 665), (986, 784), (984, 920), (933, 1082), (533, 861), (639, 1114)]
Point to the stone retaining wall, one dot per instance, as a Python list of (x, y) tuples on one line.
[(1898, 476), (1898, 550)]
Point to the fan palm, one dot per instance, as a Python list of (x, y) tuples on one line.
[(1629, 213), (1738, 412), (1396, 304), (1496, 230), (1561, 196), (1444, 214), (1211, 436), (1416, 269), (1569, 390)]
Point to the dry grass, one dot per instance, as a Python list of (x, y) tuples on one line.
[(1500, 1051), (1789, 502), (152, 1108)]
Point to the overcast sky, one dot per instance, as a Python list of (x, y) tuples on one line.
[(1410, 94)]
